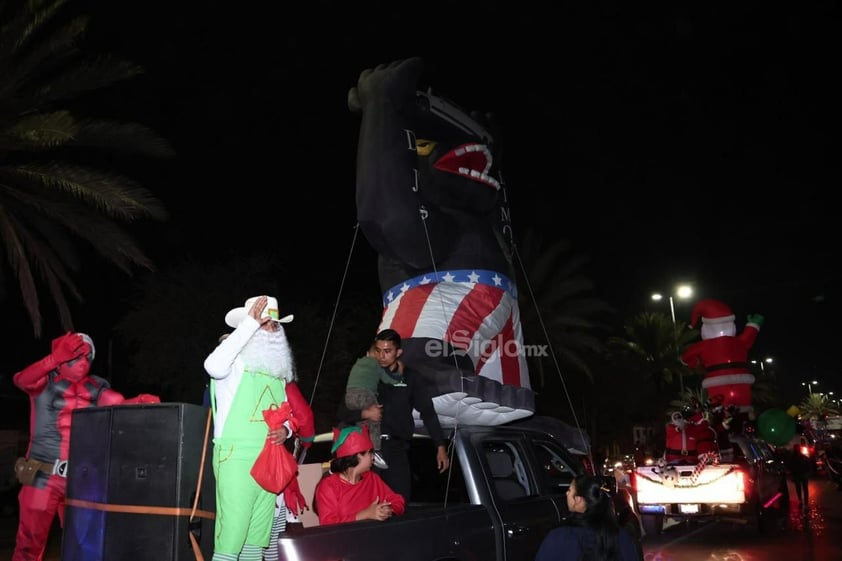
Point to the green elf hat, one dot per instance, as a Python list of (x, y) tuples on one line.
[(350, 441)]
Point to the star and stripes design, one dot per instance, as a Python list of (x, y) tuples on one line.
[(473, 310)]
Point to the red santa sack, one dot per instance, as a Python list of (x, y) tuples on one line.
[(275, 466)]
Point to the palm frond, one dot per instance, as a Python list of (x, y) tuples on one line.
[(51, 194), (112, 194), (85, 77), (20, 71), (17, 257), (817, 406), (31, 17), (126, 138), (40, 132)]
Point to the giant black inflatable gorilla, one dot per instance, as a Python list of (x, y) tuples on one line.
[(433, 205)]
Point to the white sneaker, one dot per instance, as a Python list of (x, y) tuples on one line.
[(379, 462)]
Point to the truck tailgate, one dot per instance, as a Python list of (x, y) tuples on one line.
[(719, 484)]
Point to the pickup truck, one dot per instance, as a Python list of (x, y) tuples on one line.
[(504, 491), (750, 488)]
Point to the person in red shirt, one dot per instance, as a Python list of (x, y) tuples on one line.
[(352, 491), (57, 385)]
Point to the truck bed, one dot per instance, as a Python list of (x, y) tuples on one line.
[(504, 491)]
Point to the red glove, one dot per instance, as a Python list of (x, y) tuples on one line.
[(67, 347), (144, 398), (295, 501)]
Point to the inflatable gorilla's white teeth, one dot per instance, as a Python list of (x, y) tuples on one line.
[(482, 177)]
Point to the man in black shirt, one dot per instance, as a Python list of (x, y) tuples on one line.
[(397, 400), (800, 467)]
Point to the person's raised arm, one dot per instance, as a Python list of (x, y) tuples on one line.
[(33, 378), (218, 363)]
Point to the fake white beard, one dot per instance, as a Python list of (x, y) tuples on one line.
[(269, 352)]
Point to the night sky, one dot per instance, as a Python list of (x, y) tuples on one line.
[(666, 146)]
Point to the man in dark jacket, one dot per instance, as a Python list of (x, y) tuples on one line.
[(800, 467), (397, 400)]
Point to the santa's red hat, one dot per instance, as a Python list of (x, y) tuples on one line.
[(711, 311)]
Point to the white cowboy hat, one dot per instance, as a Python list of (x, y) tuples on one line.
[(235, 316)]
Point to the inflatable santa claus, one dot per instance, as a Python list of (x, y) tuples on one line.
[(723, 354)]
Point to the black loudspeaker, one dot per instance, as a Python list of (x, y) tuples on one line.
[(133, 472)]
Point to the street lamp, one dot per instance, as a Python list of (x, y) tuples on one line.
[(767, 360), (810, 385), (683, 292)]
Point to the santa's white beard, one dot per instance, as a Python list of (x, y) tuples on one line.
[(268, 351)]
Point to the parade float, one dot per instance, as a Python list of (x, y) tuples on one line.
[(432, 202), (718, 461)]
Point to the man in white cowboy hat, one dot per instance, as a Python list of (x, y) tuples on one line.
[(249, 370)]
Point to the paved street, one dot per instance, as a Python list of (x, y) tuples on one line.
[(810, 534)]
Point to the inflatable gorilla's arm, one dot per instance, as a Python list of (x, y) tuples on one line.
[(387, 211), (427, 196)]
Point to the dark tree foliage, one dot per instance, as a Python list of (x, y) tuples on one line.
[(64, 180)]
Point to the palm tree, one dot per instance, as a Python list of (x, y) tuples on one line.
[(54, 184), (817, 406), (558, 308), (655, 343), (692, 396)]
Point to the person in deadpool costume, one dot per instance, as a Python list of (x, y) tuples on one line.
[(57, 385)]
